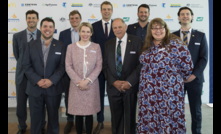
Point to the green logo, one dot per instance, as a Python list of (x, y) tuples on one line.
[(126, 19), (199, 19)]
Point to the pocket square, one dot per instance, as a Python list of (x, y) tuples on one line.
[(132, 52), (197, 43), (58, 53)]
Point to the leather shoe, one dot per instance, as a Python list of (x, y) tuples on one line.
[(68, 127), (21, 131), (43, 131), (98, 128)]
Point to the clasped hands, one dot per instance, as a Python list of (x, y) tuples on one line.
[(83, 84), (44, 83), (122, 86)]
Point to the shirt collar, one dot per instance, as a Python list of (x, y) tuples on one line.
[(34, 32), (124, 39), (103, 22), (72, 29), (188, 30)]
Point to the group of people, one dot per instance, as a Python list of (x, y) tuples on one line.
[(142, 63)]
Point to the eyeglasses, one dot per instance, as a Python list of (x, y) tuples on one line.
[(156, 29)]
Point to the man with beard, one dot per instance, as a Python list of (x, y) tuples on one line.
[(20, 41), (140, 28), (44, 65)]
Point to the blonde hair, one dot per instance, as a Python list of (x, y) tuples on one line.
[(87, 24)]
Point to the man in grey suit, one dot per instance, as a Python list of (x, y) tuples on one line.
[(44, 64), (197, 45), (20, 41), (122, 73)]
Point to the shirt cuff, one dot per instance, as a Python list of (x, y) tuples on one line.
[(89, 80)]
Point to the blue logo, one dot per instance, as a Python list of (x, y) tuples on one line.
[(64, 4), (163, 5)]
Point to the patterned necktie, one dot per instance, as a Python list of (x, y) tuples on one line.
[(119, 59), (31, 36), (185, 37), (106, 30)]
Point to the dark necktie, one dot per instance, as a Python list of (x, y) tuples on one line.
[(31, 36), (185, 37), (106, 30), (119, 59)]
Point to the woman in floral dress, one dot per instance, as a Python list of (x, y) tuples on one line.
[(166, 65)]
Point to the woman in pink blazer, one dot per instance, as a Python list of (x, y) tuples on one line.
[(83, 64)]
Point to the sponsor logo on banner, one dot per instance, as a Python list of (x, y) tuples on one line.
[(62, 19), (49, 4), (13, 30), (194, 5), (92, 19), (28, 4), (115, 5), (130, 5), (9, 42), (12, 70), (64, 4), (168, 18), (94, 5), (126, 19), (175, 5), (13, 95), (164, 5), (13, 18), (199, 19), (12, 4), (77, 5), (152, 5), (11, 82)]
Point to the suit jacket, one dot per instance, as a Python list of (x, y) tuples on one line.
[(132, 29), (131, 65), (34, 67), (20, 42), (99, 35), (199, 52), (65, 37)]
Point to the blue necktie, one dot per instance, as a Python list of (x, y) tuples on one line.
[(185, 37), (119, 59)]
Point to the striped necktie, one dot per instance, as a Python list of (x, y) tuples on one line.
[(185, 37), (119, 59), (31, 36)]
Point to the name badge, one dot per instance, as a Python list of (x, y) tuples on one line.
[(93, 51), (197, 43), (132, 52), (58, 53)]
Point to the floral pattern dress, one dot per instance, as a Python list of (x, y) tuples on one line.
[(161, 89)]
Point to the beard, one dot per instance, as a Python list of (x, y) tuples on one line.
[(143, 20)]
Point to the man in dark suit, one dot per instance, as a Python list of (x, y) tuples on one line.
[(100, 36), (44, 64), (197, 45), (122, 78), (140, 28), (20, 41), (69, 36)]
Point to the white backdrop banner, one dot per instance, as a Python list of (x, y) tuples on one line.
[(90, 11)]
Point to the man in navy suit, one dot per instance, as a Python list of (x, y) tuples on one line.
[(44, 64), (122, 85), (69, 36), (197, 45), (20, 41), (140, 28), (100, 36)]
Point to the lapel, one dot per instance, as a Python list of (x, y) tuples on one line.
[(192, 37), (113, 53), (100, 26), (39, 49), (51, 52), (69, 36), (24, 36)]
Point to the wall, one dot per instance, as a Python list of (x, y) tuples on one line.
[(90, 11)]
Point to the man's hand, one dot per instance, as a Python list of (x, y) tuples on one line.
[(191, 78), (125, 85), (44, 83), (118, 84)]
